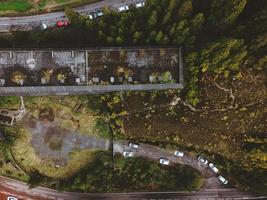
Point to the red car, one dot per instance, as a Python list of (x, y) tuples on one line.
[(63, 23)]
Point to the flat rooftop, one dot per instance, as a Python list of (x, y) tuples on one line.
[(99, 69)]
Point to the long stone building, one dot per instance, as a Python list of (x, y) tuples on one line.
[(82, 71)]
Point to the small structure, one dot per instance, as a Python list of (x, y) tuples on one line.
[(112, 79), (21, 81), (43, 81), (120, 79), (152, 79), (130, 79), (95, 79), (78, 81), (9, 117), (160, 78), (2, 82)]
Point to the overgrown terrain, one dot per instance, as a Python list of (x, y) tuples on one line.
[(22, 7), (221, 113), (132, 174)]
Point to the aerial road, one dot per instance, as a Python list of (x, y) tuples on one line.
[(30, 22), (212, 188)]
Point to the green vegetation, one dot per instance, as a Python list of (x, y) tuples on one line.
[(15, 5), (19, 7), (221, 113), (132, 174)]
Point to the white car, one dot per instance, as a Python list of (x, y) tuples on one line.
[(139, 5), (11, 198), (223, 180), (164, 161), (212, 166), (127, 154), (44, 26), (179, 154), (202, 160), (99, 13), (123, 8), (133, 145)]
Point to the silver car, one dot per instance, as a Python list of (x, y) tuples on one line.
[(222, 179), (164, 161), (214, 169), (202, 160), (123, 8), (139, 5), (133, 145), (179, 154), (127, 154), (11, 198)]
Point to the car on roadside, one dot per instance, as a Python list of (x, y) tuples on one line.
[(164, 161), (139, 5), (12, 198), (222, 179), (43, 26), (179, 154), (214, 169), (133, 145), (202, 160), (91, 15), (127, 154), (123, 8), (63, 23), (95, 14), (99, 13)]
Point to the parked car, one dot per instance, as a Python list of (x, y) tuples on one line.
[(133, 145), (91, 15), (212, 166), (179, 154), (164, 161), (202, 160), (99, 13), (123, 8), (222, 179), (127, 154), (44, 26), (63, 23), (11, 198), (95, 14), (139, 5)]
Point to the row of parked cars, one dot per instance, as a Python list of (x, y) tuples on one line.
[(165, 161), (98, 13), (205, 162), (92, 15)]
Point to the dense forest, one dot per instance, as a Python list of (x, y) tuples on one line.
[(225, 43), (132, 174)]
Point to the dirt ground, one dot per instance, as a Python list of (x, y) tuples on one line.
[(49, 138), (215, 128)]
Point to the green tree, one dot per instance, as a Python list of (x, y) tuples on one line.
[(223, 13)]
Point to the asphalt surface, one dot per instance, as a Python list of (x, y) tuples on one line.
[(69, 90), (155, 153), (30, 22), (214, 191)]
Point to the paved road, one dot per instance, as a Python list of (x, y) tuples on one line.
[(29, 22), (210, 191), (68, 90), (155, 153), (20, 190)]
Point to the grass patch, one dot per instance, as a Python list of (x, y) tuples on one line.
[(70, 112), (29, 160), (15, 5), (18, 7), (133, 174)]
